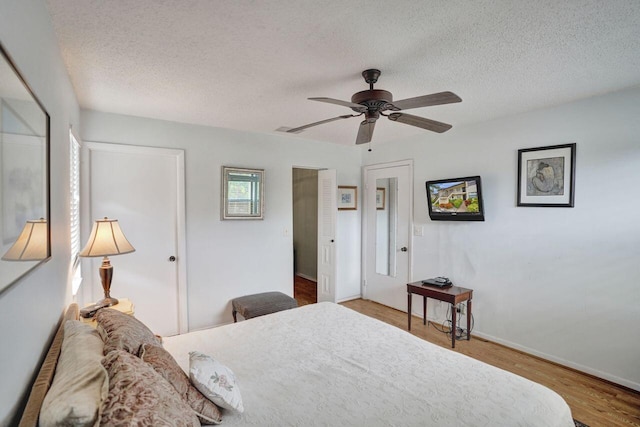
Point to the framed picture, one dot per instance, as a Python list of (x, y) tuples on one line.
[(380, 198), (242, 193), (347, 198), (546, 176)]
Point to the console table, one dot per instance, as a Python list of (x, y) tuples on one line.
[(453, 295)]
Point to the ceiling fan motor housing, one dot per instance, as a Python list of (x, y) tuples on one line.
[(375, 100)]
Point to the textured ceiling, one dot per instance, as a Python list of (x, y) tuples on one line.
[(250, 65)]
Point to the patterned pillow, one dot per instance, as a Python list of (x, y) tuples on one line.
[(216, 381), (123, 331), (138, 395), (80, 383), (165, 365)]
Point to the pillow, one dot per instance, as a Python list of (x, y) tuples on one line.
[(123, 331), (138, 395), (215, 381), (164, 364), (80, 383)]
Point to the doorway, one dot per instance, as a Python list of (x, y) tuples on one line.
[(305, 235), (314, 230), (388, 202), (143, 188)]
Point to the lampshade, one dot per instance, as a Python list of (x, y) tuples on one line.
[(106, 239), (32, 243)]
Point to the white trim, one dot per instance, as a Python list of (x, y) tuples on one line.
[(351, 298), (564, 362), (306, 276)]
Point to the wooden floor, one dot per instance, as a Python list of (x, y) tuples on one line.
[(593, 401), (305, 291)]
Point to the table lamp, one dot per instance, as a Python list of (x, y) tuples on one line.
[(106, 239), (31, 244)]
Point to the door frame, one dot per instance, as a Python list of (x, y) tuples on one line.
[(365, 203), (181, 243)]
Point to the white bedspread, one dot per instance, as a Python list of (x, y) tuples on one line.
[(324, 364)]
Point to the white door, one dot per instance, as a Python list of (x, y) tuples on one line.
[(387, 232), (327, 213), (143, 188)]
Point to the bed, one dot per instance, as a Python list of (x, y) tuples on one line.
[(324, 364)]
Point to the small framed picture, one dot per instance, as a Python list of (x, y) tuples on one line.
[(546, 176), (347, 198), (380, 198)]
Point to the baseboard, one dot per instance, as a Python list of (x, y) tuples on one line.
[(304, 276), (562, 362), (631, 385), (349, 298)]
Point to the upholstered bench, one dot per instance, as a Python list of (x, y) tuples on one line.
[(260, 304)]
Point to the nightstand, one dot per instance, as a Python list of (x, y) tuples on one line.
[(124, 305)]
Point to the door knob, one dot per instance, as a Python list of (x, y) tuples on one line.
[(403, 249), (172, 258)]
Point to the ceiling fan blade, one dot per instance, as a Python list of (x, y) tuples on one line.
[(420, 122), (427, 100), (357, 107), (301, 128), (365, 132)]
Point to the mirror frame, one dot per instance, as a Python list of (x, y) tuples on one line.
[(4, 55), (226, 214)]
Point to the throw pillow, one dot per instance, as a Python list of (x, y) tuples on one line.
[(214, 380), (164, 364), (138, 395), (123, 331), (80, 382)]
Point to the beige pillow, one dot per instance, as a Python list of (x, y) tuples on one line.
[(123, 331), (139, 396), (80, 383), (165, 365), (216, 381)]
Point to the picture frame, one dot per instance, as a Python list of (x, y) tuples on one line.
[(380, 198), (242, 193), (546, 176), (347, 198)]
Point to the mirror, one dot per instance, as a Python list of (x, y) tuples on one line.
[(386, 226), (24, 176), (242, 193)]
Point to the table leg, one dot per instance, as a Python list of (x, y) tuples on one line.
[(453, 325), (409, 309), (424, 310), (468, 320)]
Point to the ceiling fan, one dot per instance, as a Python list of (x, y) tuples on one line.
[(373, 103)]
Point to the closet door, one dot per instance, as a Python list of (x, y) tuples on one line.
[(143, 188), (327, 214)]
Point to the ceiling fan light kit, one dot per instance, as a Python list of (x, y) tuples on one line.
[(373, 103)]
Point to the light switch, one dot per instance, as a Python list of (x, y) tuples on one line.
[(417, 230)]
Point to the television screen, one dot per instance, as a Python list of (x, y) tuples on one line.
[(455, 199)]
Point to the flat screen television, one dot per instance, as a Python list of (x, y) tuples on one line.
[(455, 199)]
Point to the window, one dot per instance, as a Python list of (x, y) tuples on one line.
[(74, 210)]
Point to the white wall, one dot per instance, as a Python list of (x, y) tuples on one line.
[(561, 283), (227, 259), (30, 309)]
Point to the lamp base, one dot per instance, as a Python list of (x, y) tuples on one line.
[(106, 273), (107, 302)]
